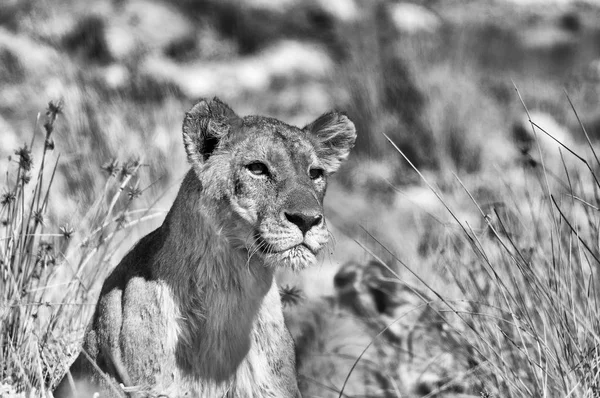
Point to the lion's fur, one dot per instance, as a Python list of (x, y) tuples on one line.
[(381, 329), (193, 308)]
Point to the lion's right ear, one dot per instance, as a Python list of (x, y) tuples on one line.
[(336, 135), (204, 126)]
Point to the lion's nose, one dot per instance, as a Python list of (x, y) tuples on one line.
[(304, 221)]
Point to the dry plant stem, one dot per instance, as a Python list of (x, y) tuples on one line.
[(447, 303), (471, 238), (381, 332), (91, 253), (116, 197), (545, 173), (584, 161), (587, 137), (106, 378), (41, 209), (449, 384), (575, 232), (51, 118), (28, 343), (322, 385), (84, 261), (504, 290)]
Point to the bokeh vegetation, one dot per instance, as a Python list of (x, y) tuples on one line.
[(456, 183)]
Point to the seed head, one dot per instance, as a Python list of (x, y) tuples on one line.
[(49, 127), (54, 108), (134, 192), (49, 144), (67, 231), (290, 295), (111, 167), (25, 178), (38, 217), (129, 168), (122, 220), (7, 198), (25, 159), (45, 255)]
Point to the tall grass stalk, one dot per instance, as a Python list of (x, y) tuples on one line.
[(533, 324), (48, 270)]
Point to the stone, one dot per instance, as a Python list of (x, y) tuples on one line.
[(413, 18), (145, 26), (286, 59)]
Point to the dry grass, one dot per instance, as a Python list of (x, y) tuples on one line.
[(519, 295), (51, 273), (530, 282), (515, 286)]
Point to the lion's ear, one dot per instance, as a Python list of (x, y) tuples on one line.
[(335, 134), (204, 126)]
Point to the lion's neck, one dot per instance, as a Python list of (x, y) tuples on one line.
[(219, 291)]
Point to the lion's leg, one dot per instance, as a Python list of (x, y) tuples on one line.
[(278, 345)]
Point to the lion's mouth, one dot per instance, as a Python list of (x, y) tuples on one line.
[(296, 257), (307, 247), (264, 247)]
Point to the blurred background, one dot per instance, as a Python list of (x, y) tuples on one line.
[(438, 77)]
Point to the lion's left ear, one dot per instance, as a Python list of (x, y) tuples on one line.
[(204, 126), (335, 135)]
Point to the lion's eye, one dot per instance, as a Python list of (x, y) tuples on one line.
[(316, 173), (258, 169)]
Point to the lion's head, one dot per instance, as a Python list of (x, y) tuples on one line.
[(271, 177)]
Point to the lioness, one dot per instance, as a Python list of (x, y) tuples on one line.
[(193, 309), (389, 335)]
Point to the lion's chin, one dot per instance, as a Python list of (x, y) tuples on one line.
[(297, 258)]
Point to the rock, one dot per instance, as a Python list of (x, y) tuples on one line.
[(375, 176), (271, 5), (524, 136), (124, 30), (212, 46), (154, 24), (543, 2), (571, 21), (550, 161), (593, 70), (547, 38), (296, 58), (413, 18), (116, 76), (29, 54), (88, 40), (121, 41), (342, 10), (286, 59)]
